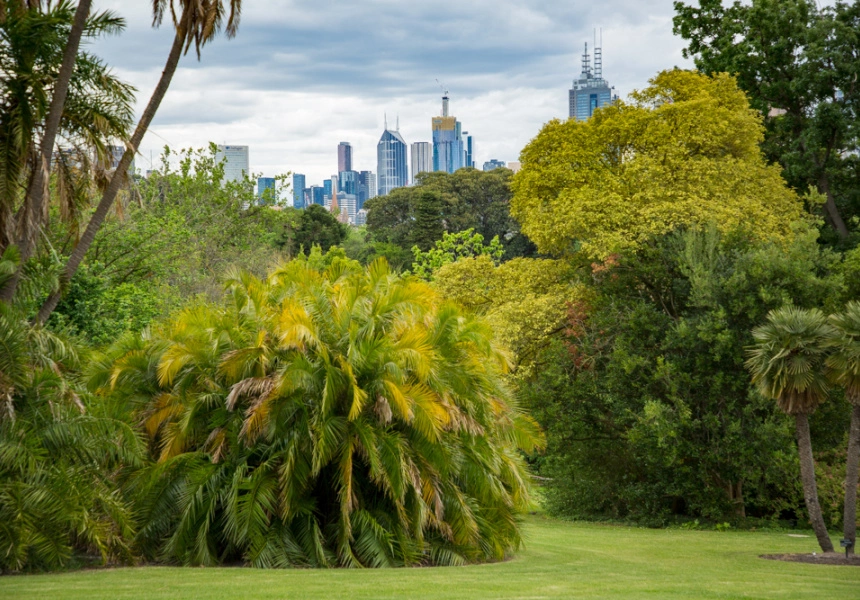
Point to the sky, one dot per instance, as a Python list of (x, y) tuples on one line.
[(303, 75)]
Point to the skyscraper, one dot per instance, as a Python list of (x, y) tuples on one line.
[(347, 182), (448, 152), (237, 158), (391, 165), (591, 90), (298, 190), (366, 187), (344, 157), (422, 158), (266, 189), (470, 151)]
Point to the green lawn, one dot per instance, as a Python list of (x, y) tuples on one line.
[(561, 560)]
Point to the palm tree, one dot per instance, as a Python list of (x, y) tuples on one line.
[(787, 364), (197, 22), (56, 459), (35, 199), (95, 109), (337, 418), (844, 368)]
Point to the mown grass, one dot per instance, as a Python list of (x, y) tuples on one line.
[(560, 560)]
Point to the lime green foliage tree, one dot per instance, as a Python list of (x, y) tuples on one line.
[(684, 152), (524, 299), (344, 417), (797, 60), (844, 367), (57, 459), (787, 363), (452, 247)]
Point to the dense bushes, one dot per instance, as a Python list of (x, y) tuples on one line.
[(343, 417)]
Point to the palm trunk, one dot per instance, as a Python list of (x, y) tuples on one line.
[(810, 490), (852, 465), (109, 196), (31, 214)]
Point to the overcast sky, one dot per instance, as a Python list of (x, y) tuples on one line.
[(303, 75)]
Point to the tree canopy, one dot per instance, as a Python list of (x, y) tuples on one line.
[(798, 63), (684, 152)]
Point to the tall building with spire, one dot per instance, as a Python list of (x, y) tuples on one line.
[(392, 170), (448, 151), (591, 91)]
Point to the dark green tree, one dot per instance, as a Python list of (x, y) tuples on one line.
[(798, 63), (318, 226), (648, 407), (469, 199)]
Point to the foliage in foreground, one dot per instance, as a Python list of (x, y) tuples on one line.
[(336, 418), (57, 460)]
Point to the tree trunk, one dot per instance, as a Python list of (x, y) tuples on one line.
[(116, 181), (830, 209), (810, 490), (31, 214), (851, 476)]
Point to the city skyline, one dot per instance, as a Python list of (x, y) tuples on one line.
[(508, 67)]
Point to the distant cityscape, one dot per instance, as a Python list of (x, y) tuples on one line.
[(451, 148)]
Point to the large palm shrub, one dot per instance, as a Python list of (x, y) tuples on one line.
[(336, 418), (787, 364), (58, 462), (844, 368)]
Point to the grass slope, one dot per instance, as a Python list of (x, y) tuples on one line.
[(561, 560)]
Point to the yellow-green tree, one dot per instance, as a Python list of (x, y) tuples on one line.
[(525, 300), (683, 152)]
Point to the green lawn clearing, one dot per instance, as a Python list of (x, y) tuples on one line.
[(560, 560)]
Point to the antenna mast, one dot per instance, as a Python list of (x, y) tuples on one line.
[(598, 55), (444, 99)]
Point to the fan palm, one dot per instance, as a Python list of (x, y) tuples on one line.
[(195, 22), (337, 418), (844, 368), (787, 364)]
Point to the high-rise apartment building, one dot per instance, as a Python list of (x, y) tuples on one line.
[(591, 91), (366, 187), (266, 189), (237, 162), (470, 151), (391, 166), (298, 190), (422, 158), (344, 157), (448, 151)]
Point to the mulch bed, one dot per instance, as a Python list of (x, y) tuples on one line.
[(823, 558)]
